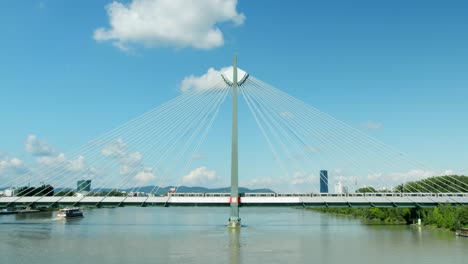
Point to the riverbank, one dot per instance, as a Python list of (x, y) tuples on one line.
[(443, 216), (367, 215)]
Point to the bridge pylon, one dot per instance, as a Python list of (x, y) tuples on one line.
[(230, 76)]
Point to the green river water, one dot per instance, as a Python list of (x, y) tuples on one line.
[(199, 235)]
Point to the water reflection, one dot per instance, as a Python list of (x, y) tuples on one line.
[(234, 245)]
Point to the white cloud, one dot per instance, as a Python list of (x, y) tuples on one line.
[(52, 160), (204, 82), (115, 149), (38, 147), (77, 164), (62, 163), (448, 172), (178, 23), (132, 159), (374, 176), (130, 162), (145, 175), (47, 156), (12, 166), (370, 125), (200, 176)]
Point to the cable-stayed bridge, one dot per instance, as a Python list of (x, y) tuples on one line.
[(163, 147), (380, 200)]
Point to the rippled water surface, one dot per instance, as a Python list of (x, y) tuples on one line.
[(198, 235)]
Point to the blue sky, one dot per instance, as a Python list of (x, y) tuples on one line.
[(397, 65)]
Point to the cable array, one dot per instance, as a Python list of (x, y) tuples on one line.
[(157, 148), (305, 140)]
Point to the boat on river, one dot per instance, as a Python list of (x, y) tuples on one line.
[(462, 232), (68, 213)]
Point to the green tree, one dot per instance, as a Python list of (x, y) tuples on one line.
[(367, 189)]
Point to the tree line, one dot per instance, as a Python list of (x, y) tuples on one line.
[(443, 216), (43, 190)]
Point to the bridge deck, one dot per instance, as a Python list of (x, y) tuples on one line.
[(313, 201)]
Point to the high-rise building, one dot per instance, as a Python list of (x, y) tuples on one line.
[(83, 186), (340, 188), (324, 181)]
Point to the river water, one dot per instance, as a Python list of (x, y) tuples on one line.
[(198, 235)]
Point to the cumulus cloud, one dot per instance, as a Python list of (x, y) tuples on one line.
[(145, 175), (130, 162), (52, 160), (448, 172), (38, 147), (61, 162), (115, 149), (374, 176), (12, 166), (370, 125), (178, 23), (77, 164), (50, 157), (203, 82), (200, 176)]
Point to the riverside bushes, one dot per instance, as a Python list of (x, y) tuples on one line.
[(443, 216)]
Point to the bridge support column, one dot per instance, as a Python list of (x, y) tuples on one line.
[(234, 220)]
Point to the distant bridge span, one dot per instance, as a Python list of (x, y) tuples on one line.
[(381, 200)]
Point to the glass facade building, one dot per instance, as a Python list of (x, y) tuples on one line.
[(324, 181)]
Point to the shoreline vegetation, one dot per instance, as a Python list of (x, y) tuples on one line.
[(443, 216)]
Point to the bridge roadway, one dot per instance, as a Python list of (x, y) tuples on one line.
[(194, 199)]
